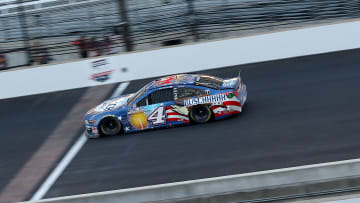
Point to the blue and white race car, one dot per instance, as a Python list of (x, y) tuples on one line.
[(166, 102)]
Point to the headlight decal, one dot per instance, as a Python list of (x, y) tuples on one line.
[(90, 122)]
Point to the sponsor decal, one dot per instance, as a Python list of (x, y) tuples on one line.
[(213, 99), (134, 110), (101, 70), (138, 120), (230, 95), (95, 130), (99, 64), (90, 122), (229, 83), (153, 116), (166, 80), (110, 107), (102, 77)]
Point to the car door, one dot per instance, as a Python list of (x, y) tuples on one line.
[(150, 111)]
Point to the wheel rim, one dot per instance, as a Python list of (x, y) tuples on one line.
[(200, 114), (109, 126)]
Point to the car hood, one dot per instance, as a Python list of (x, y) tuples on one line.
[(111, 104)]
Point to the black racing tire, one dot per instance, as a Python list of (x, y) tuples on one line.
[(200, 114), (110, 126)]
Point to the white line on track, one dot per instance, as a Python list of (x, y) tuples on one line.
[(120, 89), (55, 174), (40, 193)]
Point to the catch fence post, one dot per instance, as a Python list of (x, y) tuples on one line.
[(193, 20), (125, 25), (23, 24)]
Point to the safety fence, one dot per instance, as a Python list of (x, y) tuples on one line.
[(43, 31)]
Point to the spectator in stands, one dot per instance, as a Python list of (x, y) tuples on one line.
[(39, 54), (94, 47), (3, 62), (106, 45), (111, 41), (83, 46)]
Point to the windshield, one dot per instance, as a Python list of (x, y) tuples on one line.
[(137, 95), (210, 81)]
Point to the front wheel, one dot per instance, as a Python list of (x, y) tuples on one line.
[(200, 114), (110, 126)]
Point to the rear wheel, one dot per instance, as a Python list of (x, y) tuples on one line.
[(200, 114), (110, 126)]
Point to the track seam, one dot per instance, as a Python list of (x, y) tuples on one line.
[(42, 161), (70, 155)]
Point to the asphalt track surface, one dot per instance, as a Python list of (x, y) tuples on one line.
[(25, 123), (300, 111)]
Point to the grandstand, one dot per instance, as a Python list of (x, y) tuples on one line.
[(57, 23)]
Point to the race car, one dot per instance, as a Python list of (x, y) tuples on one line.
[(169, 101)]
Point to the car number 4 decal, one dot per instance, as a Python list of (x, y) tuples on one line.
[(157, 117)]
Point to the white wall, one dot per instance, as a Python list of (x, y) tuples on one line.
[(233, 186), (194, 57)]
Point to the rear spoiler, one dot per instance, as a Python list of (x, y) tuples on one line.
[(232, 83), (239, 76)]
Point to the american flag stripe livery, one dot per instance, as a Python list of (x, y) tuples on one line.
[(228, 107), (175, 116)]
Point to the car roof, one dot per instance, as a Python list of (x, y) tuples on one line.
[(180, 79)]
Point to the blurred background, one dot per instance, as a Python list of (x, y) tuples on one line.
[(300, 111), (50, 31)]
